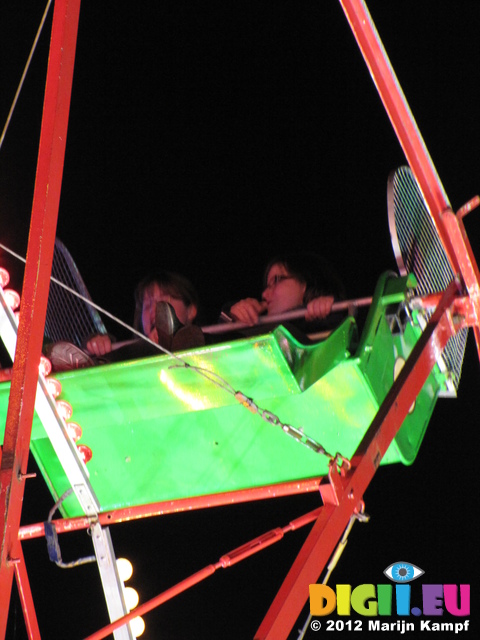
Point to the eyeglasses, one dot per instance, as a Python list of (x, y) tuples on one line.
[(276, 279)]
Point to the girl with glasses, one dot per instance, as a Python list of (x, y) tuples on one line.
[(291, 281)]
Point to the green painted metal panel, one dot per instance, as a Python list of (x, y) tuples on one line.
[(160, 430)]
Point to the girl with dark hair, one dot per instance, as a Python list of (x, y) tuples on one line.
[(292, 281), (166, 305), (163, 286)]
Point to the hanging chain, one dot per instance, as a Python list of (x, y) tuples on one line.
[(294, 432)]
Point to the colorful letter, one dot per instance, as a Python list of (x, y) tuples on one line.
[(343, 599), (384, 596), (322, 599), (363, 600), (402, 594), (451, 603), (432, 599)]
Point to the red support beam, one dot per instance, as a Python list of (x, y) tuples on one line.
[(227, 560), (67, 525), (449, 226), (455, 228), (25, 594), (35, 288), (400, 115), (343, 496)]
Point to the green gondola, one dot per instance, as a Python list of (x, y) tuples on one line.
[(160, 430)]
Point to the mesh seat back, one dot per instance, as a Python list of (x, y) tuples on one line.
[(68, 316), (419, 250)]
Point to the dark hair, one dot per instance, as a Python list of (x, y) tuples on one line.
[(172, 283), (317, 273)]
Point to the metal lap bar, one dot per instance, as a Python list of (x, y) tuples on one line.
[(344, 494)]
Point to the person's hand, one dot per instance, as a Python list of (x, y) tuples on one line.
[(319, 308), (99, 345), (248, 310)]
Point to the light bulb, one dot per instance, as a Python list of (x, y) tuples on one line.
[(4, 277), (12, 298), (64, 409), (54, 386), (85, 453), (45, 366), (131, 598), (74, 431), (137, 625), (125, 569)]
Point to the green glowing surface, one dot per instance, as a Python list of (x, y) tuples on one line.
[(160, 431)]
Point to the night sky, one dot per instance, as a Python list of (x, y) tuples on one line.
[(205, 137)]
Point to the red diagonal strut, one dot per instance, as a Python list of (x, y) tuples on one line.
[(449, 226), (399, 113), (35, 288), (344, 495), (25, 594)]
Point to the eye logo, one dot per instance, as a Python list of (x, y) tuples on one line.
[(403, 572)]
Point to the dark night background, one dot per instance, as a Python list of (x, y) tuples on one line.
[(205, 137)]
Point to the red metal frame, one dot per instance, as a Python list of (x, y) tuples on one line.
[(320, 543), (175, 506), (398, 111), (343, 494), (449, 226), (454, 227), (25, 594), (35, 294), (227, 560)]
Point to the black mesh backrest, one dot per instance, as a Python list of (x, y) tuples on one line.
[(68, 316), (419, 250)]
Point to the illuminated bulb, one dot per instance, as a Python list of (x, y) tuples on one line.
[(131, 598), (74, 431), (45, 366), (17, 317), (4, 277), (54, 386), (85, 453), (64, 409), (125, 569), (137, 625), (12, 298)]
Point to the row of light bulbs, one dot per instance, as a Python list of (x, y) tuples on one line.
[(12, 298), (74, 430), (125, 571)]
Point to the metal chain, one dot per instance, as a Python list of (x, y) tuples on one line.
[(294, 432)]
